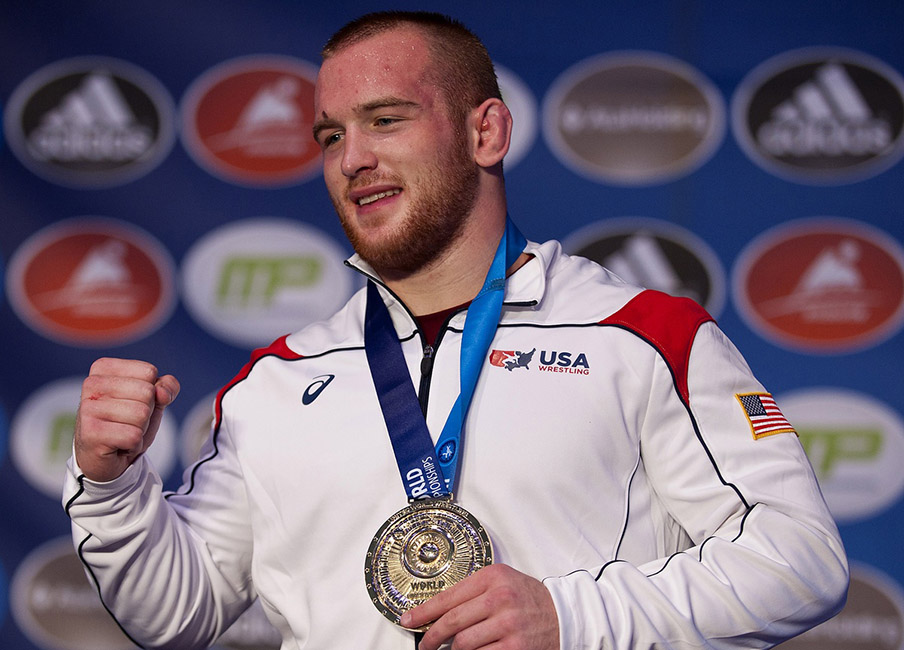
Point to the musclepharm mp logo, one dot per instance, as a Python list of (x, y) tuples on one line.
[(654, 254), (821, 116), (55, 605), (251, 281), (633, 118), (92, 281), (872, 618), (248, 121), (90, 122), (856, 446), (41, 436), (822, 285)]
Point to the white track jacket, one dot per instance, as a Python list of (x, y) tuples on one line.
[(617, 447)]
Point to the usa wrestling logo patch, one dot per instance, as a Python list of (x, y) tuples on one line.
[(763, 415), (511, 359), (572, 363)]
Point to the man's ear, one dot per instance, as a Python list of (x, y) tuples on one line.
[(492, 129)]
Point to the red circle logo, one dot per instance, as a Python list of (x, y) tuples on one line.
[(822, 285), (248, 121), (92, 281)]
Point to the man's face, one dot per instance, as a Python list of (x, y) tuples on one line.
[(399, 173)]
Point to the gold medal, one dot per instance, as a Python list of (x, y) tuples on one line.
[(421, 550)]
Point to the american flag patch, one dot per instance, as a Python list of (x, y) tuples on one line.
[(763, 415)]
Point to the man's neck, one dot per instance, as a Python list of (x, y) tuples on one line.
[(458, 274), (453, 279), (432, 293)]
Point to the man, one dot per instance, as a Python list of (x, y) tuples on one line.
[(648, 505)]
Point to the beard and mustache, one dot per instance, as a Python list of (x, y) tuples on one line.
[(446, 190)]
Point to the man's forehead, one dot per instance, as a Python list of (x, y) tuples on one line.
[(401, 45), (386, 62)]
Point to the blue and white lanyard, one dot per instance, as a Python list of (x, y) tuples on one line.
[(429, 472)]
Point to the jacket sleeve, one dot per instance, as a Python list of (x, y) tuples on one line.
[(766, 560), (172, 569)]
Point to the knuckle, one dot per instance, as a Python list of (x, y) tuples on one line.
[(113, 367), (512, 623), (453, 618), (146, 393), (435, 635), (463, 640), (133, 438), (85, 413), (147, 372), (494, 573), (100, 366), (142, 412), (91, 384), (501, 597)]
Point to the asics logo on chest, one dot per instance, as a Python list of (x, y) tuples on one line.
[(316, 387)]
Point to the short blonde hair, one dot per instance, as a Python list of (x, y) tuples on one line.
[(462, 66)]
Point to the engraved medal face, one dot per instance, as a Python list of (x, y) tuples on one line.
[(421, 550)]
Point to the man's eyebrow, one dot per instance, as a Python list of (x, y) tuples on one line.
[(325, 122), (322, 124), (386, 102)]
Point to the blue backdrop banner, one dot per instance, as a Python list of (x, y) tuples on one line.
[(162, 199)]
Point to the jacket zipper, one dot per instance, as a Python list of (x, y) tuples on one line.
[(426, 374), (428, 352), (427, 359)]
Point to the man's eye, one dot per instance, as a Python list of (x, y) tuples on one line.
[(385, 121), (331, 139)]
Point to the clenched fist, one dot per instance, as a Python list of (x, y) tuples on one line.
[(119, 412)]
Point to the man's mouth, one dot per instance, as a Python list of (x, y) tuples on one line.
[(370, 198)]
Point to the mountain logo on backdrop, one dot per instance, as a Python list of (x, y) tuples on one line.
[(654, 254), (821, 116), (872, 618), (91, 281), (248, 121), (90, 122), (856, 446), (633, 118), (41, 437), (822, 285), (251, 281)]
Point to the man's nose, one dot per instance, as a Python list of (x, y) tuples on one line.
[(357, 155)]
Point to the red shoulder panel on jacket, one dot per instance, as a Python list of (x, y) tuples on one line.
[(666, 322), (279, 348)]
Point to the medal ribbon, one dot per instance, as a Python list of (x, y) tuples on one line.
[(427, 471)]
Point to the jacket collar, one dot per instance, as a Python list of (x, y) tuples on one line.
[(526, 287)]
